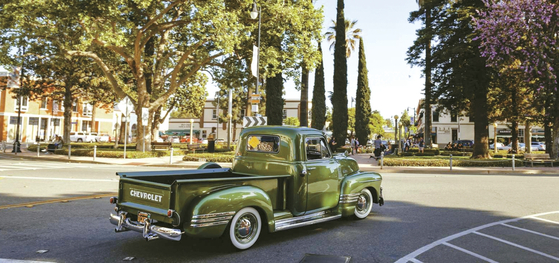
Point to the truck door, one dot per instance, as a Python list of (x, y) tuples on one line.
[(323, 177)]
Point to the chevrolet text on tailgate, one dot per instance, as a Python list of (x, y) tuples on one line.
[(281, 178)]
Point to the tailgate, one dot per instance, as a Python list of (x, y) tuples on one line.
[(144, 196)]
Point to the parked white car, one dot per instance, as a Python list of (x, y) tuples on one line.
[(83, 136), (78, 136), (499, 146), (103, 137), (521, 147), (538, 146)]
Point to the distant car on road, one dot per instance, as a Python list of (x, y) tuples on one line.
[(499, 145), (538, 146), (521, 147)]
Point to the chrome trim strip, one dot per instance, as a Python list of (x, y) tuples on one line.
[(210, 224), (149, 231), (209, 220), (231, 213), (299, 218), (349, 198), (307, 223)]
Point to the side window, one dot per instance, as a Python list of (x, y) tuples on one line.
[(263, 143), (316, 149)]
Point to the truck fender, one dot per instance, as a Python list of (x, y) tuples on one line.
[(354, 183), (229, 201)]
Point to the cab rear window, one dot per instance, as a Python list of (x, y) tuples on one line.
[(263, 143)]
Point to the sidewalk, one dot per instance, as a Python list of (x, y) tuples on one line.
[(365, 164)]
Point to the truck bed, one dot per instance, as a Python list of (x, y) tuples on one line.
[(155, 192)]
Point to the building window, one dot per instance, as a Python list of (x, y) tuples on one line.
[(24, 104), (44, 103), (74, 106), (214, 114), (86, 126), (13, 120), (435, 116), (34, 121), (284, 114), (87, 109), (204, 134), (453, 117)]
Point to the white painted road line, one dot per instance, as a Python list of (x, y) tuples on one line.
[(425, 248), (414, 260), (5, 260), (518, 246), (59, 179), (470, 253), (530, 231), (545, 220)]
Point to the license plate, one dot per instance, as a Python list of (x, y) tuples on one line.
[(142, 217)]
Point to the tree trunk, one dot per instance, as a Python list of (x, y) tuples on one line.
[(427, 104), (528, 136), (548, 136), (304, 113), (93, 117), (555, 146), (67, 111), (514, 136), (481, 123)]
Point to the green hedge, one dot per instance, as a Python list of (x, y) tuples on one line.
[(118, 154), (210, 157), (434, 151), (446, 162)]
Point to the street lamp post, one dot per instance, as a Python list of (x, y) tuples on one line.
[(17, 144), (191, 123), (495, 137), (257, 12), (396, 132)]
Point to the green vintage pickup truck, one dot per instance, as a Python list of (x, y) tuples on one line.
[(281, 178)]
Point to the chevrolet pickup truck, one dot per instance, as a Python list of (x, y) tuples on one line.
[(281, 178)]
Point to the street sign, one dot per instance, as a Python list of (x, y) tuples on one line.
[(249, 121), (255, 98), (125, 106), (145, 116)]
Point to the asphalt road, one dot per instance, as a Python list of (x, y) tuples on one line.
[(51, 208)]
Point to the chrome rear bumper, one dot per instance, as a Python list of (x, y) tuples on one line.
[(148, 230)]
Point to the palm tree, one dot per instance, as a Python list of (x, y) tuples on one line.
[(352, 36)]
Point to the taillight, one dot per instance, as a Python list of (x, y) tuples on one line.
[(170, 213), (113, 200)]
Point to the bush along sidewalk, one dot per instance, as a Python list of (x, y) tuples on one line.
[(446, 162), (209, 157)]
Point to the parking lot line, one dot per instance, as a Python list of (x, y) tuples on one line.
[(517, 245), (530, 231), (470, 252), (545, 220), (428, 247)]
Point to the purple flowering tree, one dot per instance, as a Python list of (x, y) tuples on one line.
[(521, 35)]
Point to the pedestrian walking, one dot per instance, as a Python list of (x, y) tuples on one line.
[(421, 145), (378, 147)]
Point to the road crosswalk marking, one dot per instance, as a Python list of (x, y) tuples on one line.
[(14, 166)]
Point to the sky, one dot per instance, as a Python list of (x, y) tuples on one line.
[(387, 35)]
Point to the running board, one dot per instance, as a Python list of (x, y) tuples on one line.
[(306, 220)]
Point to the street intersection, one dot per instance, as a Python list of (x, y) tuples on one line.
[(62, 208)]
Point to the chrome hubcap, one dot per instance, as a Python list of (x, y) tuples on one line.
[(244, 230), (361, 203)]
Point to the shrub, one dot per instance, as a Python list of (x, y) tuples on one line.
[(210, 157), (446, 162)]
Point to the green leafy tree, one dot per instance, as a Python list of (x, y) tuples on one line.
[(405, 123), (319, 97), (351, 120), (376, 124), (363, 98), (339, 97), (292, 121)]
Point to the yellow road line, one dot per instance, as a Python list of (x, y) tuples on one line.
[(62, 200)]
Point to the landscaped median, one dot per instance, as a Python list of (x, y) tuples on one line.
[(107, 150)]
